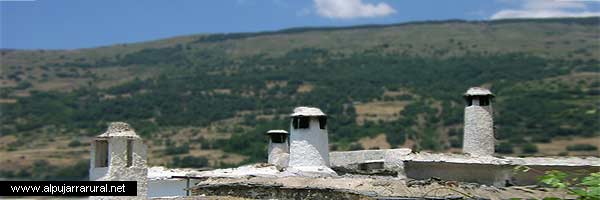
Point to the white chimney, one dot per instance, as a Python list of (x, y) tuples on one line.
[(478, 138)]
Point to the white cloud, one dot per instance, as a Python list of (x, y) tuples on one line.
[(546, 9), (349, 9)]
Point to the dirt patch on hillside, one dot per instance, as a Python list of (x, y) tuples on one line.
[(558, 146), (306, 87), (377, 142), (379, 110), (272, 84)]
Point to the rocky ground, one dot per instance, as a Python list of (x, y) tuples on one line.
[(367, 187)]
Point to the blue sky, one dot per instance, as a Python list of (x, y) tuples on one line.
[(70, 24)]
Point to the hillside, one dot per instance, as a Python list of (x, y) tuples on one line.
[(206, 100)]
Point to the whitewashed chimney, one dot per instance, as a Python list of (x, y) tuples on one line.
[(279, 148), (478, 139), (309, 143), (119, 155)]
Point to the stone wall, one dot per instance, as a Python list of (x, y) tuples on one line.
[(275, 191), (496, 175), (478, 131), (367, 162), (488, 170)]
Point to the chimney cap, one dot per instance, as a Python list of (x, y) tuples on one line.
[(277, 132), (478, 91), (307, 111), (119, 129)]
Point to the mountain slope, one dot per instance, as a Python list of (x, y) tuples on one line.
[(207, 99)]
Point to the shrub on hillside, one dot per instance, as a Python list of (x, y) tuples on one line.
[(529, 148), (541, 139), (174, 150), (504, 148), (582, 147), (190, 162), (75, 143), (456, 142), (356, 147)]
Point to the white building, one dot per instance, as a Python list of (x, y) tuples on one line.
[(119, 155), (309, 145), (279, 148), (478, 138)]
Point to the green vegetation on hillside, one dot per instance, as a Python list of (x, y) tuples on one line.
[(540, 96)]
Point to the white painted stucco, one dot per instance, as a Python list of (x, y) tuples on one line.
[(310, 171), (307, 111), (169, 187), (341, 158), (117, 169), (279, 154), (478, 91), (393, 161), (309, 147)]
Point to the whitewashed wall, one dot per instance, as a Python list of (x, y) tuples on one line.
[(309, 147), (117, 169), (168, 187)]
